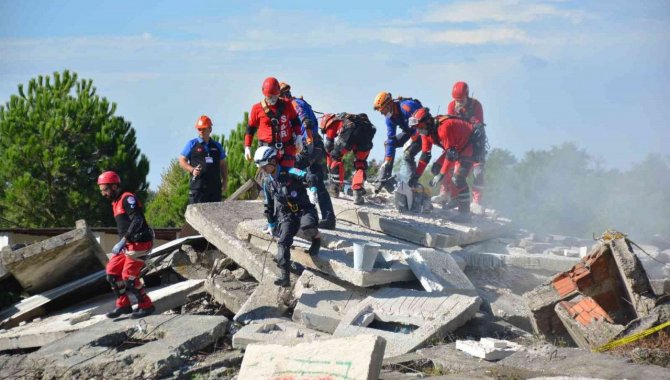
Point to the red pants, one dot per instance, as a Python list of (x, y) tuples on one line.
[(336, 168), (455, 183), (123, 274)]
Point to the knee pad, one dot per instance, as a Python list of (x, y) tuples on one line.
[(359, 164), (117, 285), (134, 284)]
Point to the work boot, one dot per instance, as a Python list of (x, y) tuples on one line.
[(284, 280), (334, 190), (442, 198), (315, 246), (358, 197), (327, 224), (119, 311), (141, 313), (389, 185)]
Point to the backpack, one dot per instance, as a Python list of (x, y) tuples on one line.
[(400, 99), (357, 129)]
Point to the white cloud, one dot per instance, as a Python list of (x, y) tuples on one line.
[(456, 37), (505, 11)]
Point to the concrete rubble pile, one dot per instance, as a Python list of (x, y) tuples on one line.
[(462, 297)]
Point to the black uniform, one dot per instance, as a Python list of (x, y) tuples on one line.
[(206, 187)]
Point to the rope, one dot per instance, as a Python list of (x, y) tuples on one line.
[(631, 338)]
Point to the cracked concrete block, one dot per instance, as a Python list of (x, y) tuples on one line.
[(488, 348), (438, 272), (390, 266), (267, 301), (358, 357), (407, 318), (587, 323), (229, 292), (323, 301), (55, 261), (151, 348), (634, 277), (275, 331), (217, 223)]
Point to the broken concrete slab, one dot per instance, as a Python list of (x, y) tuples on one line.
[(217, 222), (267, 301), (430, 230), (587, 323), (323, 301), (438, 272), (56, 261), (488, 348), (275, 331), (228, 291), (62, 323), (548, 263), (358, 357), (634, 277), (152, 349), (407, 318), (218, 362), (336, 255)]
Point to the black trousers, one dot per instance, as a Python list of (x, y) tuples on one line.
[(204, 195), (315, 165), (289, 224)]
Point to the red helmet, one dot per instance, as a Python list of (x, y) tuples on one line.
[(460, 91), (419, 117), (270, 86), (327, 120), (108, 177), (203, 122)]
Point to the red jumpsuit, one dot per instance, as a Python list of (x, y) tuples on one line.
[(276, 125), (343, 136), (123, 269), (474, 113), (451, 133)]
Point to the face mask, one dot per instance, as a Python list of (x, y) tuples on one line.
[(271, 100)]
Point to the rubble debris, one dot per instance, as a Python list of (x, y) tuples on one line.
[(155, 347), (587, 323), (275, 331), (267, 301), (228, 291), (488, 348), (217, 222), (59, 325), (407, 318), (339, 262), (358, 357), (222, 363), (438, 272), (55, 261), (322, 301), (428, 230), (612, 276), (548, 263)]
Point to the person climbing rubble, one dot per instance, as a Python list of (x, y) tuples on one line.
[(311, 159), (277, 123), (288, 207), (470, 110), (346, 133), (136, 240), (397, 113), (460, 143)]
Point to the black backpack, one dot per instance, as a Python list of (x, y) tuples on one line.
[(357, 129)]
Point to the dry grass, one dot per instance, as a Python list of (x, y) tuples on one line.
[(654, 349)]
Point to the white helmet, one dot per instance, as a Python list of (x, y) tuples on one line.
[(263, 155)]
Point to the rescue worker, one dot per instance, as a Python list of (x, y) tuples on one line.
[(277, 124), (312, 157), (347, 132), (397, 112), (204, 159), (470, 110), (136, 240), (453, 135), (287, 207)]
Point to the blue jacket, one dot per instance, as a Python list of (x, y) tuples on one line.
[(307, 117), (407, 108)]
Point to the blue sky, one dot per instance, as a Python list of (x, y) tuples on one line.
[(593, 72)]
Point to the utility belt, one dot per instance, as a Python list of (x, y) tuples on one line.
[(277, 145), (146, 234)]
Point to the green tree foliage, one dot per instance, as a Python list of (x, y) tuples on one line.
[(239, 169), (56, 136)]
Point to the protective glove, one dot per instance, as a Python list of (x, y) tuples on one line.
[(271, 229), (413, 181), (436, 180), (452, 154), (311, 180), (313, 197), (247, 153), (297, 140), (119, 246)]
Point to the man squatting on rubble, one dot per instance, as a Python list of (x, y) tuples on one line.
[(312, 157), (123, 269), (287, 207), (205, 161), (454, 136), (277, 123), (470, 110), (347, 132), (397, 113)]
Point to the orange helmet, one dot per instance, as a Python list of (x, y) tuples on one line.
[(108, 177), (460, 91), (270, 86), (284, 88), (203, 122), (327, 120), (382, 100)]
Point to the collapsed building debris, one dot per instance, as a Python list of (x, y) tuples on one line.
[(275, 331), (488, 348)]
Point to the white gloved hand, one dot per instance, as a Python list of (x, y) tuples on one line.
[(313, 196), (247, 153), (297, 139), (118, 247)]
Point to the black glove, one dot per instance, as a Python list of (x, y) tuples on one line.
[(311, 180), (414, 181), (452, 154)]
